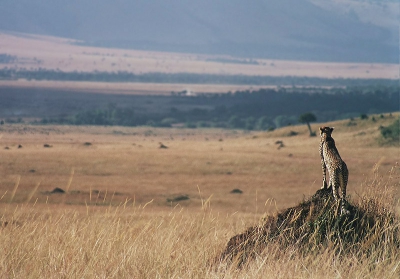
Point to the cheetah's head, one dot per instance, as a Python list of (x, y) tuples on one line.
[(325, 131)]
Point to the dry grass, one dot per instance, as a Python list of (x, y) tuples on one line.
[(130, 241), (115, 220), (34, 51), (58, 53), (129, 163), (370, 230)]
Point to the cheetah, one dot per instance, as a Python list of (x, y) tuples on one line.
[(331, 160)]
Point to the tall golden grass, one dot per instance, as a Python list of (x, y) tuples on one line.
[(131, 241), (315, 225), (115, 220)]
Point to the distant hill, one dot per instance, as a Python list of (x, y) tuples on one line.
[(284, 29)]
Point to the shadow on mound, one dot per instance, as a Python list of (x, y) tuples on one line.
[(315, 225)]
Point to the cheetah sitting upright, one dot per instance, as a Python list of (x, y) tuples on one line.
[(338, 173)]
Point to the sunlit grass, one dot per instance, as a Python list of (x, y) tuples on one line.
[(139, 241), (117, 218)]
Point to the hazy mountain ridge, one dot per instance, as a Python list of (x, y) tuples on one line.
[(383, 13), (285, 29)]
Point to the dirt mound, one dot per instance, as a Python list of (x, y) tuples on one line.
[(315, 224)]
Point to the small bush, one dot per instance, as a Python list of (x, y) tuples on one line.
[(57, 191), (391, 133), (236, 191), (179, 198), (351, 123)]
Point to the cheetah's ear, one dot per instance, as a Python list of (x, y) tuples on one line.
[(321, 128), (332, 129)]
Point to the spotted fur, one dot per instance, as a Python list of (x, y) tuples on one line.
[(337, 169)]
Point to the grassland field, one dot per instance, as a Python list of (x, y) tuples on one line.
[(197, 163), (68, 55), (121, 216), (61, 54)]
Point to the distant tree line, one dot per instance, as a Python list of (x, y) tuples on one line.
[(6, 58), (189, 78), (109, 116), (234, 61), (264, 109)]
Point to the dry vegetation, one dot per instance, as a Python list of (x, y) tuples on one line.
[(64, 54), (121, 216), (34, 51)]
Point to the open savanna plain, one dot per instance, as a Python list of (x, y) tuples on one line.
[(36, 52), (134, 210)]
